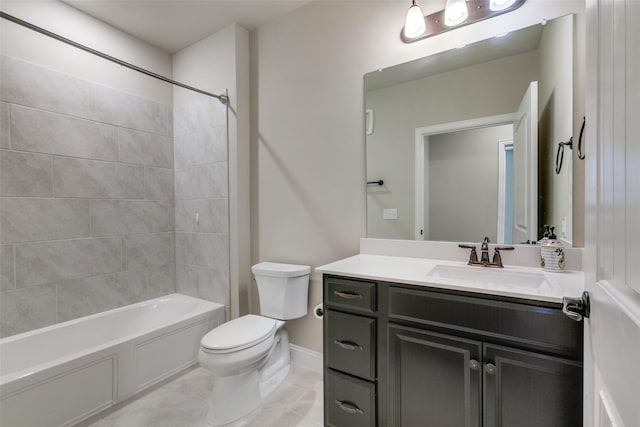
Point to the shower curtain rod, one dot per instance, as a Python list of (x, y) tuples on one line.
[(222, 98)]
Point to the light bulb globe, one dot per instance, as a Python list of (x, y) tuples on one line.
[(414, 24)]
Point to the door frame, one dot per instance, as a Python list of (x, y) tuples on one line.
[(502, 145), (422, 134)]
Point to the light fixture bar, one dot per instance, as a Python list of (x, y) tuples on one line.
[(479, 10)]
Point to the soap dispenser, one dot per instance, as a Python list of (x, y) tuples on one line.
[(551, 251)]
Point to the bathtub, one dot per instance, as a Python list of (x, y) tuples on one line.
[(65, 373)]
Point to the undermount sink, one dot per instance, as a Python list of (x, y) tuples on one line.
[(487, 276)]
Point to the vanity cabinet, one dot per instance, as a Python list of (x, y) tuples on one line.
[(350, 350), (420, 356)]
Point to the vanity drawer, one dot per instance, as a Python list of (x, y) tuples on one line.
[(349, 401), (538, 326), (350, 343), (350, 294)]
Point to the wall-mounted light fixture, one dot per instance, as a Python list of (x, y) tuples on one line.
[(414, 23), (457, 13)]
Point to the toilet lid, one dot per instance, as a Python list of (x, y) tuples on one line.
[(239, 333)]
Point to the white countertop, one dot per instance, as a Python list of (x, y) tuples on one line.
[(417, 271)]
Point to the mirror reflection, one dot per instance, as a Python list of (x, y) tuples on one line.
[(465, 141)]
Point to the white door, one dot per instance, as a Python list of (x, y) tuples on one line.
[(525, 168), (612, 193)]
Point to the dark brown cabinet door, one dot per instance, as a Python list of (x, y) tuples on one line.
[(433, 379), (524, 389)]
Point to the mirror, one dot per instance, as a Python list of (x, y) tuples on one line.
[(465, 141)]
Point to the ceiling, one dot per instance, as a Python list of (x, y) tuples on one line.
[(172, 25)]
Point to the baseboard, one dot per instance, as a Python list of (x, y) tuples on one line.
[(306, 358)]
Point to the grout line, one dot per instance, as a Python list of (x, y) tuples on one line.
[(118, 145), (88, 159), (9, 125), (56, 304), (92, 117), (90, 217), (144, 183), (53, 178), (121, 253), (15, 273)]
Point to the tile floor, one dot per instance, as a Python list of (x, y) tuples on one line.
[(182, 402)]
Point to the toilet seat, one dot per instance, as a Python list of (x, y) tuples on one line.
[(238, 334)]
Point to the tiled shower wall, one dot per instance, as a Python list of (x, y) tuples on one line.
[(202, 237), (87, 198)]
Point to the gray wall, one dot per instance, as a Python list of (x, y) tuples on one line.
[(308, 149), (463, 184), (443, 98), (86, 186), (554, 125)]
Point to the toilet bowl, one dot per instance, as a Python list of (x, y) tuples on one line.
[(249, 356)]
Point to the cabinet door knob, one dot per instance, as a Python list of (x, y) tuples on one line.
[(347, 295), (349, 407), (474, 364), (348, 345), (490, 368)]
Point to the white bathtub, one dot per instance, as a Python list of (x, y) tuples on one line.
[(62, 374)]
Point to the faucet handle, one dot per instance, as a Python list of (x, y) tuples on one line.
[(473, 256), (497, 258), (466, 246)]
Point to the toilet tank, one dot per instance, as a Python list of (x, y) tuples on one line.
[(283, 289)]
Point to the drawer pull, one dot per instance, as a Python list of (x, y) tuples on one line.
[(347, 295), (490, 368), (348, 345), (349, 407)]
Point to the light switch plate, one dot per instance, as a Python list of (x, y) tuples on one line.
[(390, 213)]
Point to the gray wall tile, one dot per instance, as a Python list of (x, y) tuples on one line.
[(27, 84), (192, 111), (144, 148), (77, 140), (51, 133), (126, 110), (202, 282), (142, 251), (82, 297), (30, 219), (25, 174), (162, 281), (5, 134), (201, 147), (212, 215), (45, 262), (158, 184), (202, 182), (7, 281), (203, 249), (96, 179), (122, 217), (26, 309)]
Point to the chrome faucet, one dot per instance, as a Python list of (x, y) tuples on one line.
[(484, 254)]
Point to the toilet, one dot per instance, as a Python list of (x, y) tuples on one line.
[(249, 356)]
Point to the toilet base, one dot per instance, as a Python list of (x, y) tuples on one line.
[(236, 396)]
